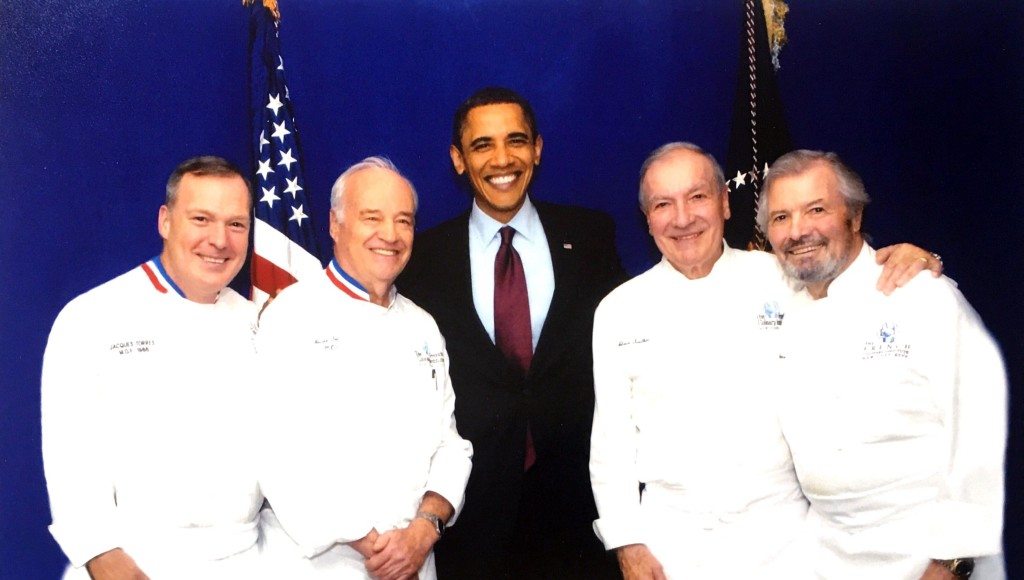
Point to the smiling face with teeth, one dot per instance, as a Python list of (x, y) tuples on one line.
[(686, 209), (498, 153), (374, 231), (206, 234), (813, 232)]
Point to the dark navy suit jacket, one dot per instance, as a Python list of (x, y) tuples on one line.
[(547, 512)]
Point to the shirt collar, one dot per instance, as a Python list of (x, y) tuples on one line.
[(728, 254), (526, 223), (344, 282), (851, 280), (158, 276), (348, 285)]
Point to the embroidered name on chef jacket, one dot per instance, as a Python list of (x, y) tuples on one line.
[(632, 341), (430, 358), (132, 347), (434, 362), (327, 342)]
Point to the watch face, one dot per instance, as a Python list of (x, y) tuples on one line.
[(962, 568)]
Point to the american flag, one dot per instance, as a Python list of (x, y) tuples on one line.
[(285, 246)]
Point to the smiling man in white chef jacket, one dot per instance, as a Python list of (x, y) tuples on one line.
[(364, 466), (690, 470), (894, 407), (147, 401)]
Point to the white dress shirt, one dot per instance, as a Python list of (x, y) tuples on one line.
[(532, 245)]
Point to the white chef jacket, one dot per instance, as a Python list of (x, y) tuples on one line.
[(146, 404), (895, 411), (362, 422), (682, 406)]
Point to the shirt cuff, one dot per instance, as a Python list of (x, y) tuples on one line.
[(83, 543), (964, 530), (615, 532), (452, 491), (449, 473)]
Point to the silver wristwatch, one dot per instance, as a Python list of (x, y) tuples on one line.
[(435, 520)]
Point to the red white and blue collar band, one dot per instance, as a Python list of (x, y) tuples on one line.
[(344, 282), (158, 277)]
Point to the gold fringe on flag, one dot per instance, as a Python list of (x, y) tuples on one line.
[(269, 5), (775, 20)]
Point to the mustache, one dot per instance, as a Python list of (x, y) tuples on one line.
[(802, 241)]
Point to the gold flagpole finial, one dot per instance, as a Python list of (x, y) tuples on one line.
[(269, 5)]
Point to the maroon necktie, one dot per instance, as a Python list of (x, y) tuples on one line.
[(513, 333)]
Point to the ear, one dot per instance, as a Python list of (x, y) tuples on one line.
[(457, 162), (538, 144), (334, 226), (726, 212), (855, 222), (647, 217), (163, 222)]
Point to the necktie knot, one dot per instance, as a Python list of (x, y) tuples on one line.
[(506, 235)]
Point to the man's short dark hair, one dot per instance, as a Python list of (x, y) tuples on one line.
[(205, 165), (491, 96)]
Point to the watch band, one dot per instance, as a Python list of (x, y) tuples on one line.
[(435, 520)]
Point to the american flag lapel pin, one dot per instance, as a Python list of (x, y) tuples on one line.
[(566, 246)]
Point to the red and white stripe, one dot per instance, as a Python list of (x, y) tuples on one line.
[(278, 262)]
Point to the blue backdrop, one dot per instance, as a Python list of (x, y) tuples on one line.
[(100, 100)]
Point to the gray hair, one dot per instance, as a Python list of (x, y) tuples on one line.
[(205, 165), (374, 162), (850, 185), (666, 150)]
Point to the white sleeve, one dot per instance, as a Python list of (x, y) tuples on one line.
[(613, 470), (75, 450), (452, 461), (972, 385)]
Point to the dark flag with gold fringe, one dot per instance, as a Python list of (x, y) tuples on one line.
[(759, 133), (285, 245)]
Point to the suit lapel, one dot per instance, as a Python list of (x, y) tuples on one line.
[(566, 272), (462, 288), (462, 301)]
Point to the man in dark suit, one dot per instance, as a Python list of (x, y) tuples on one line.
[(529, 508)]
